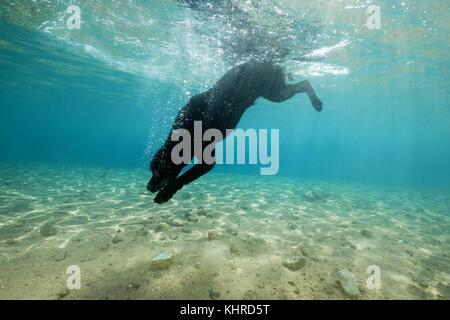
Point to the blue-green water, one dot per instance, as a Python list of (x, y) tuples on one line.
[(104, 96)]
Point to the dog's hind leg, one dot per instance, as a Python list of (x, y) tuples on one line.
[(287, 91)]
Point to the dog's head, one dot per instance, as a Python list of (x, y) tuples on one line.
[(162, 172)]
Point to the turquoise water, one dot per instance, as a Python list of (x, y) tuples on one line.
[(103, 98), (106, 94)]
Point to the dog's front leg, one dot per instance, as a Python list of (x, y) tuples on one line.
[(192, 174), (166, 193)]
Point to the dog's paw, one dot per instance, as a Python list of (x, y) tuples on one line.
[(165, 194), (317, 104), (162, 197)]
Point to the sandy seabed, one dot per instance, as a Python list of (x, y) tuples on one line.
[(230, 236)]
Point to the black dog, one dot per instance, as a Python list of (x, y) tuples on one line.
[(221, 107)]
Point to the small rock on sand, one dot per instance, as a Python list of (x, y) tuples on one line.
[(161, 261), (193, 219), (161, 227), (329, 289), (307, 251), (190, 217), (204, 212), (235, 248), (349, 283), (214, 294), (142, 232), (65, 292), (177, 223), (186, 229), (11, 242), (212, 235), (134, 286), (3, 258), (232, 231), (366, 234), (48, 229), (117, 238), (295, 264), (292, 226), (60, 255)]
